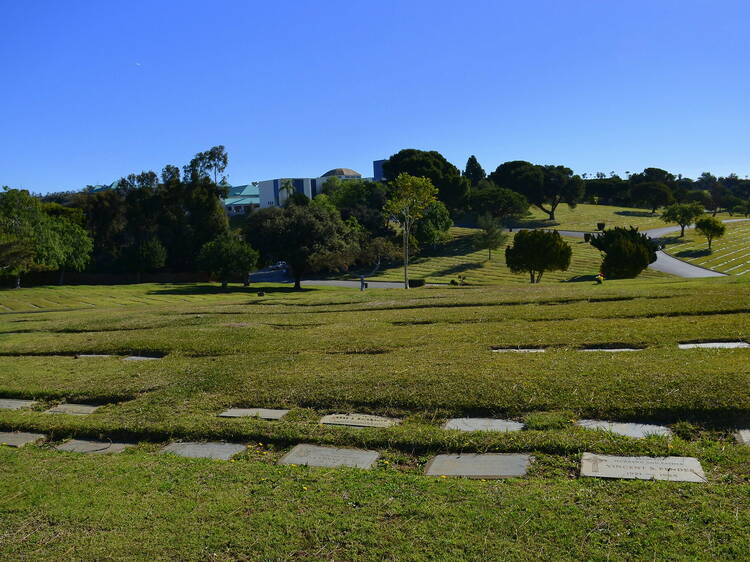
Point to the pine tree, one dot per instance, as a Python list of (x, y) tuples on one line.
[(474, 170)]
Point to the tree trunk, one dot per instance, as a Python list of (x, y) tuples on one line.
[(532, 276), (489, 256), (297, 284), (406, 255), (682, 232)]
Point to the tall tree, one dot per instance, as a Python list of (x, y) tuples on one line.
[(504, 204), (308, 238), (410, 198), (545, 187), (711, 228), (651, 193), (474, 171), (227, 256), (452, 187), (491, 235), (537, 251), (683, 214)]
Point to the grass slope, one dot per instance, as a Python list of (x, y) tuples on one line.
[(729, 254), (422, 355)]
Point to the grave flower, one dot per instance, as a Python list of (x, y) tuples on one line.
[(599, 278)]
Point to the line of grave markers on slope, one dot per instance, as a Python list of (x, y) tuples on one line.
[(620, 348), (467, 465)]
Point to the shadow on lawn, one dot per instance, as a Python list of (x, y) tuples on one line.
[(252, 290), (693, 253), (460, 268), (635, 213)]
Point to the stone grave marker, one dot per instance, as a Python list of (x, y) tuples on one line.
[(263, 413), (743, 436), (357, 420), (482, 424), (90, 446), (329, 457), (19, 438), (715, 345), (209, 450), (73, 409), (637, 430), (486, 466), (140, 358), (14, 404), (680, 469)]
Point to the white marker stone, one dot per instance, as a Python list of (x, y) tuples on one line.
[(486, 466), (263, 413), (518, 350), (482, 424), (140, 358), (89, 446), (679, 469), (14, 404), (637, 430), (329, 457), (358, 420), (73, 409), (210, 450), (715, 345), (19, 438), (743, 436)]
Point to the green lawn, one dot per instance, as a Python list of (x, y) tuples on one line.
[(729, 254), (422, 355), (459, 257)]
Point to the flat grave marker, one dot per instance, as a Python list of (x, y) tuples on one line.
[(482, 424), (210, 450), (263, 413), (637, 430), (140, 358), (19, 438), (678, 469), (91, 446), (73, 409), (92, 355), (15, 404), (358, 420), (715, 345), (743, 436), (329, 457), (489, 466)]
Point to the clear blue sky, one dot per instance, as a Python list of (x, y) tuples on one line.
[(92, 91)]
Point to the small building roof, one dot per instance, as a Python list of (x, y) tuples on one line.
[(341, 172)]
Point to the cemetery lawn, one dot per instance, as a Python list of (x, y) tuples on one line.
[(729, 254), (423, 356)]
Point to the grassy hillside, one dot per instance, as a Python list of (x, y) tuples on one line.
[(446, 262), (729, 254), (422, 355)]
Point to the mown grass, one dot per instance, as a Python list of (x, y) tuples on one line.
[(421, 355), (459, 257), (729, 254)]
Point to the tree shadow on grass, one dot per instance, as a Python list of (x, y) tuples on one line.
[(580, 279), (694, 253), (456, 269), (635, 213), (252, 290)]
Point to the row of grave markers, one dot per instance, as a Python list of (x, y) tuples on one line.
[(470, 465), (628, 429), (697, 345)]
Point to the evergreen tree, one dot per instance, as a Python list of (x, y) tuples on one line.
[(474, 171)]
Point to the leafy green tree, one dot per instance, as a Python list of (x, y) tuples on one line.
[(452, 187), (743, 208), (432, 227), (491, 235), (537, 251), (410, 198), (683, 214), (652, 194), (504, 204), (146, 257), (627, 252), (210, 164), (308, 238), (711, 228), (361, 199), (75, 246), (474, 171), (545, 187), (227, 256)]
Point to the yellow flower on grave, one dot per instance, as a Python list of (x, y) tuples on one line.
[(304, 487), (443, 476)]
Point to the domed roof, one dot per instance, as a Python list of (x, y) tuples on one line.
[(341, 172)]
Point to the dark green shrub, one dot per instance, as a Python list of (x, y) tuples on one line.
[(416, 283), (627, 252)]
